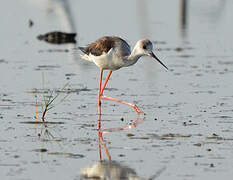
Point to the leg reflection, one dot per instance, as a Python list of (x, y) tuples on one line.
[(109, 130), (101, 141), (110, 169)]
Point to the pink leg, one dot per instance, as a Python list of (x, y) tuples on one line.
[(105, 83), (99, 100), (100, 91), (136, 109), (101, 96), (99, 122)]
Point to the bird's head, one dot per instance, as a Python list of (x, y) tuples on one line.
[(145, 48)]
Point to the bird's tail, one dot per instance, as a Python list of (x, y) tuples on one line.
[(82, 49), (85, 56)]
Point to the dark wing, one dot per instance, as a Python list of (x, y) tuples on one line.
[(103, 44)]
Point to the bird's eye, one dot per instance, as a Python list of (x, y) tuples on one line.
[(144, 46)]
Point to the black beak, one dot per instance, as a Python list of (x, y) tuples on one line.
[(153, 55)]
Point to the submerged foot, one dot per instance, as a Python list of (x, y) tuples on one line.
[(138, 111)]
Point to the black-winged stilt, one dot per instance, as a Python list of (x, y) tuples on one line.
[(112, 53)]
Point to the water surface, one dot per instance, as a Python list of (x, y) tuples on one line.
[(187, 130)]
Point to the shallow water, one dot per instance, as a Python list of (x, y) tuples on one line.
[(187, 130)]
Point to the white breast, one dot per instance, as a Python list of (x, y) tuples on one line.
[(110, 60)]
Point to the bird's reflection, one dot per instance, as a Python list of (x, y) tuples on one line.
[(108, 169)]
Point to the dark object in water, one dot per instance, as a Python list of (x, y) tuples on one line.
[(57, 37), (30, 23)]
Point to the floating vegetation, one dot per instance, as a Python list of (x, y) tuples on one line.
[(54, 51), (46, 67), (66, 154), (169, 136), (41, 122), (217, 137), (40, 150), (69, 155)]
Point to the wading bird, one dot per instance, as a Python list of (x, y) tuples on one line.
[(112, 53)]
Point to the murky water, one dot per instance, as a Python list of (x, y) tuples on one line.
[(187, 130)]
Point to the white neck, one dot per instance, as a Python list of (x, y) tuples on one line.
[(133, 57)]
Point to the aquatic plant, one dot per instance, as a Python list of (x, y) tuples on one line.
[(50, 101)]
